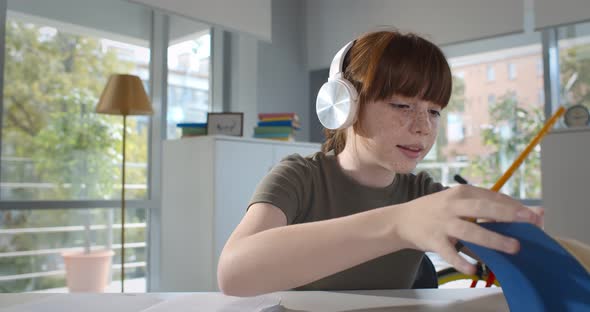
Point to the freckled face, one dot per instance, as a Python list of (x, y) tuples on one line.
[(398, 132)]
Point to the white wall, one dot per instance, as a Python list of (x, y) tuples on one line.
[(182, 29), (332, 23), (268, 77), (244, 79), (283, 80)]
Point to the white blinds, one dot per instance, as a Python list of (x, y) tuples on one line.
[(332, 23), (247, 16), (560, 12)]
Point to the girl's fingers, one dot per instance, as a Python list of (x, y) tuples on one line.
[(497, 211), (448, 252), (540, 211), (476, 234), (477, 193)]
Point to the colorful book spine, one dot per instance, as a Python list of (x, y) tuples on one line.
[(287, 139), (193, 131), (264, 116), (269, 129), (191, 125), (277, 126), (276, 119), (272, 135), (281, 123)]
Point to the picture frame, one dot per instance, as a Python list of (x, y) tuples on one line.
[(225, 123)]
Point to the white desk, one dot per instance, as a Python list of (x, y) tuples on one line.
[(483, 299)]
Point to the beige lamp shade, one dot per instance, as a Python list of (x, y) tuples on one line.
[(124, 95)]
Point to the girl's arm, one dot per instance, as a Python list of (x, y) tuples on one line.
[(263, 255)]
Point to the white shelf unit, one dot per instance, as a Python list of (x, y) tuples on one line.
[(206, 185), (565, 167)]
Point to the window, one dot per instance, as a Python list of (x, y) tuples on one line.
[(511, 71), (491, 74), (491, 99), (574, 64), (455, 127), (189, 65), (488, 134), (55, 148), (540, 67)]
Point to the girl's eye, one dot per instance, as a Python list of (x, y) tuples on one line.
[(400, 106), (435, 113)]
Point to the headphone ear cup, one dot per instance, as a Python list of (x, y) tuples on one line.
[(337, 104)]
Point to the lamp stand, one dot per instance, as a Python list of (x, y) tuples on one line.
[(123, 208)]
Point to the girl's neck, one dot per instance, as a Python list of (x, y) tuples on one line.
[(364, 170)]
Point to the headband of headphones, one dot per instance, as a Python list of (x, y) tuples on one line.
[(336, 70), (337, 100)]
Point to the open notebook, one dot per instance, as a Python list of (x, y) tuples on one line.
[(547, 274)]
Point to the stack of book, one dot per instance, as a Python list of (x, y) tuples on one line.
[(277, 126), (190, 129)]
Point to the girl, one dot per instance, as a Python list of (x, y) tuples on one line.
[(354, 216)]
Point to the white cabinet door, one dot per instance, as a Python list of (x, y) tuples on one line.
[(239, 166), (187, 216)]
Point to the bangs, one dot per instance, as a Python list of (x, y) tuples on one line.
[(412, 67)]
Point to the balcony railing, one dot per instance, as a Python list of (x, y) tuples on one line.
[(58, 271)]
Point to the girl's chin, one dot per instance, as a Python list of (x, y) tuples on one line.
[(403, 167)]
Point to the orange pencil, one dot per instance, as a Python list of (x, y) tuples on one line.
[(519, 161), (528, 149)]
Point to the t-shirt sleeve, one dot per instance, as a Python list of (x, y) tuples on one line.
[(286, 186)]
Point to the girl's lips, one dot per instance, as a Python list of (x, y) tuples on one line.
[(411, 151)]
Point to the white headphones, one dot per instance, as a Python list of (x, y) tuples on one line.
[(337, 101)]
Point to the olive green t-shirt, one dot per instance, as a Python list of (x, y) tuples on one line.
[(315, 188)]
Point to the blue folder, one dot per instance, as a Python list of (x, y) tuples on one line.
[(542, 276)]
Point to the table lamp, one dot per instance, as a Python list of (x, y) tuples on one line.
[(124, 95)]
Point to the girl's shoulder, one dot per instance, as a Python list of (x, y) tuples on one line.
[(306, 162)]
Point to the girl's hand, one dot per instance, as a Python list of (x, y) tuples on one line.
[(540, 212), (435, 222)]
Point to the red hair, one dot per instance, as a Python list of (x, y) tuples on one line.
[(386, 63)]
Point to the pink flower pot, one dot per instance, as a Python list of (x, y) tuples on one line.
[(88, 272)]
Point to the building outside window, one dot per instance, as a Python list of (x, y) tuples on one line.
[(500, 124), (574, 64), (491, 73), (511, 71), (491, 99)]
